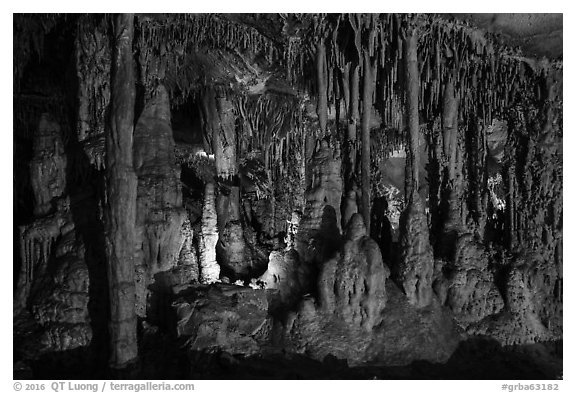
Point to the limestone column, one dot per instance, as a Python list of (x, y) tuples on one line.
[(417, 260), (120, 209)]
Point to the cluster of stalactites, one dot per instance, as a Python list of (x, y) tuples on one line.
[(272, 124), (487, 77), (93, 59), (167, 44)]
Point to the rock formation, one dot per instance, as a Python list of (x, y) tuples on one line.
[(209, 268), (225, 317), (220, 195), (470, 290), (352, 285), (288, 275), (416, 268), (121, 193), (319, 228), (416, 260), (160, 215), (47, 169), (53, 280)]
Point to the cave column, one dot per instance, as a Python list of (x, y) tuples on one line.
[(412, 92), (220, 124), (453, 158), (368, 87), (225, 156), (350, 87), (416, 266), (120, 209)]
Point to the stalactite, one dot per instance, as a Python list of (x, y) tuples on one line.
[(353, 119), (412, 78), (92, 55), (322, 82), (368, 86), (121, 197)]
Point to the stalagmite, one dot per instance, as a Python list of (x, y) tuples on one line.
[(120, 211), (319, 229), (231, 247), (159, 211), (352, 285), (417, 261), (209, 268)]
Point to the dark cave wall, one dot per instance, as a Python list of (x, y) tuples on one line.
[(340, 181)]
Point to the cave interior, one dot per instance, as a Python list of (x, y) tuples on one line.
[(293, 196)]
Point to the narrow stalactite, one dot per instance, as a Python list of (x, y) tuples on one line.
[(322, 80), (120, 209), (350, 87), (412, 93), (450, 129), (367, 89), (452, 153)]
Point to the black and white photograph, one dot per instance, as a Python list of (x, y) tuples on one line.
[(243, 196)]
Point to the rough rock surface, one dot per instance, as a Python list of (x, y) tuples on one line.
[(344, 319), (231, 250), (319, 229), (470, 290), (352, 285), (48, 167), (406, 333), (225, 317), (288, 275), (160, 215), (60, 300), (53, 279), (417, 261)]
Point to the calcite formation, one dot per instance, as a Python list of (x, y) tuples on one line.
[(231, 247), (319, 228), (53, 279), (121, 194), (212, 195), (288, 275), (60, 301), (160, 215), (352, 285), (48, 167), (416, 267), (209, 267), (470, 290)]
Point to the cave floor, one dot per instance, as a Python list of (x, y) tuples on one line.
[(164, 357)]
